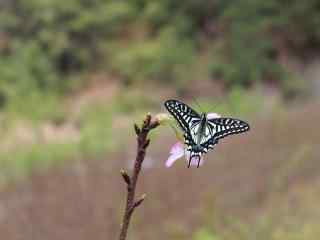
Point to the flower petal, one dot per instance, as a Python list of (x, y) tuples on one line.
[(176, 152), (213, 115)]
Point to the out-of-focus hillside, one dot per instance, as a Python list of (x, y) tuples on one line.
[(69, 71), (48, 47), (75, 75)]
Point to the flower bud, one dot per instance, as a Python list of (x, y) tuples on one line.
[(163, 118)]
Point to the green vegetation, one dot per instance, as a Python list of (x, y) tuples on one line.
[(87, 136), (277, 223), (89, 133), (48, 49), (204, 234), (52, 50), (236, 102), (31, 142), (46, 44)]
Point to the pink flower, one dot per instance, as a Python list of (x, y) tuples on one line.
[(178, 150)]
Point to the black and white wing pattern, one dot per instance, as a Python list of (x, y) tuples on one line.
[(215, 129), (185, 115), (226, 126), (189, 120), (199, 137)]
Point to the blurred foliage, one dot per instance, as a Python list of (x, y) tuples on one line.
[(25, 71), (236, 102), (43, 43), (46, 46), (301, 232), (255, 33), (247, 49), (93, 131), (164, 57), (205, 234)]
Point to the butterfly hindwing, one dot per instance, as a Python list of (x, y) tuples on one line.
[(220, 128), (227, 126)]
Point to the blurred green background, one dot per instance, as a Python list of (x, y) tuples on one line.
[(75, 75)]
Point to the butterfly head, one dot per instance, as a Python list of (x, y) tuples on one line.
[(204, 117)]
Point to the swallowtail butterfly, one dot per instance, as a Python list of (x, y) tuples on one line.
[(201, 133)]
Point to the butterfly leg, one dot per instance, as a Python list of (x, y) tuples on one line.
[(199, 158), (189, 161)]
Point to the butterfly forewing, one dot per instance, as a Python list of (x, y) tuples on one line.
[(185, 115)]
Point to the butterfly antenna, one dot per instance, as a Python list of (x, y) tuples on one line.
[(197, 103), (211, 110), (199, 158)]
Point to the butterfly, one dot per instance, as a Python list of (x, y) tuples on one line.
[(201, 133)]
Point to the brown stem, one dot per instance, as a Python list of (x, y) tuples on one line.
[(143, 143)]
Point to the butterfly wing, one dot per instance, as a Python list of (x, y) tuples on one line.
[(222, 127), (218, 128), (185, 115), (187, 118)]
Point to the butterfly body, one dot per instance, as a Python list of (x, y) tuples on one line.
[(199, 128), (200, 132)]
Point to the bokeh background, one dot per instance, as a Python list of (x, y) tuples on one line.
[(75, 75)]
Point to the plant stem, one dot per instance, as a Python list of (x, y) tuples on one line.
[(142, 144)]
